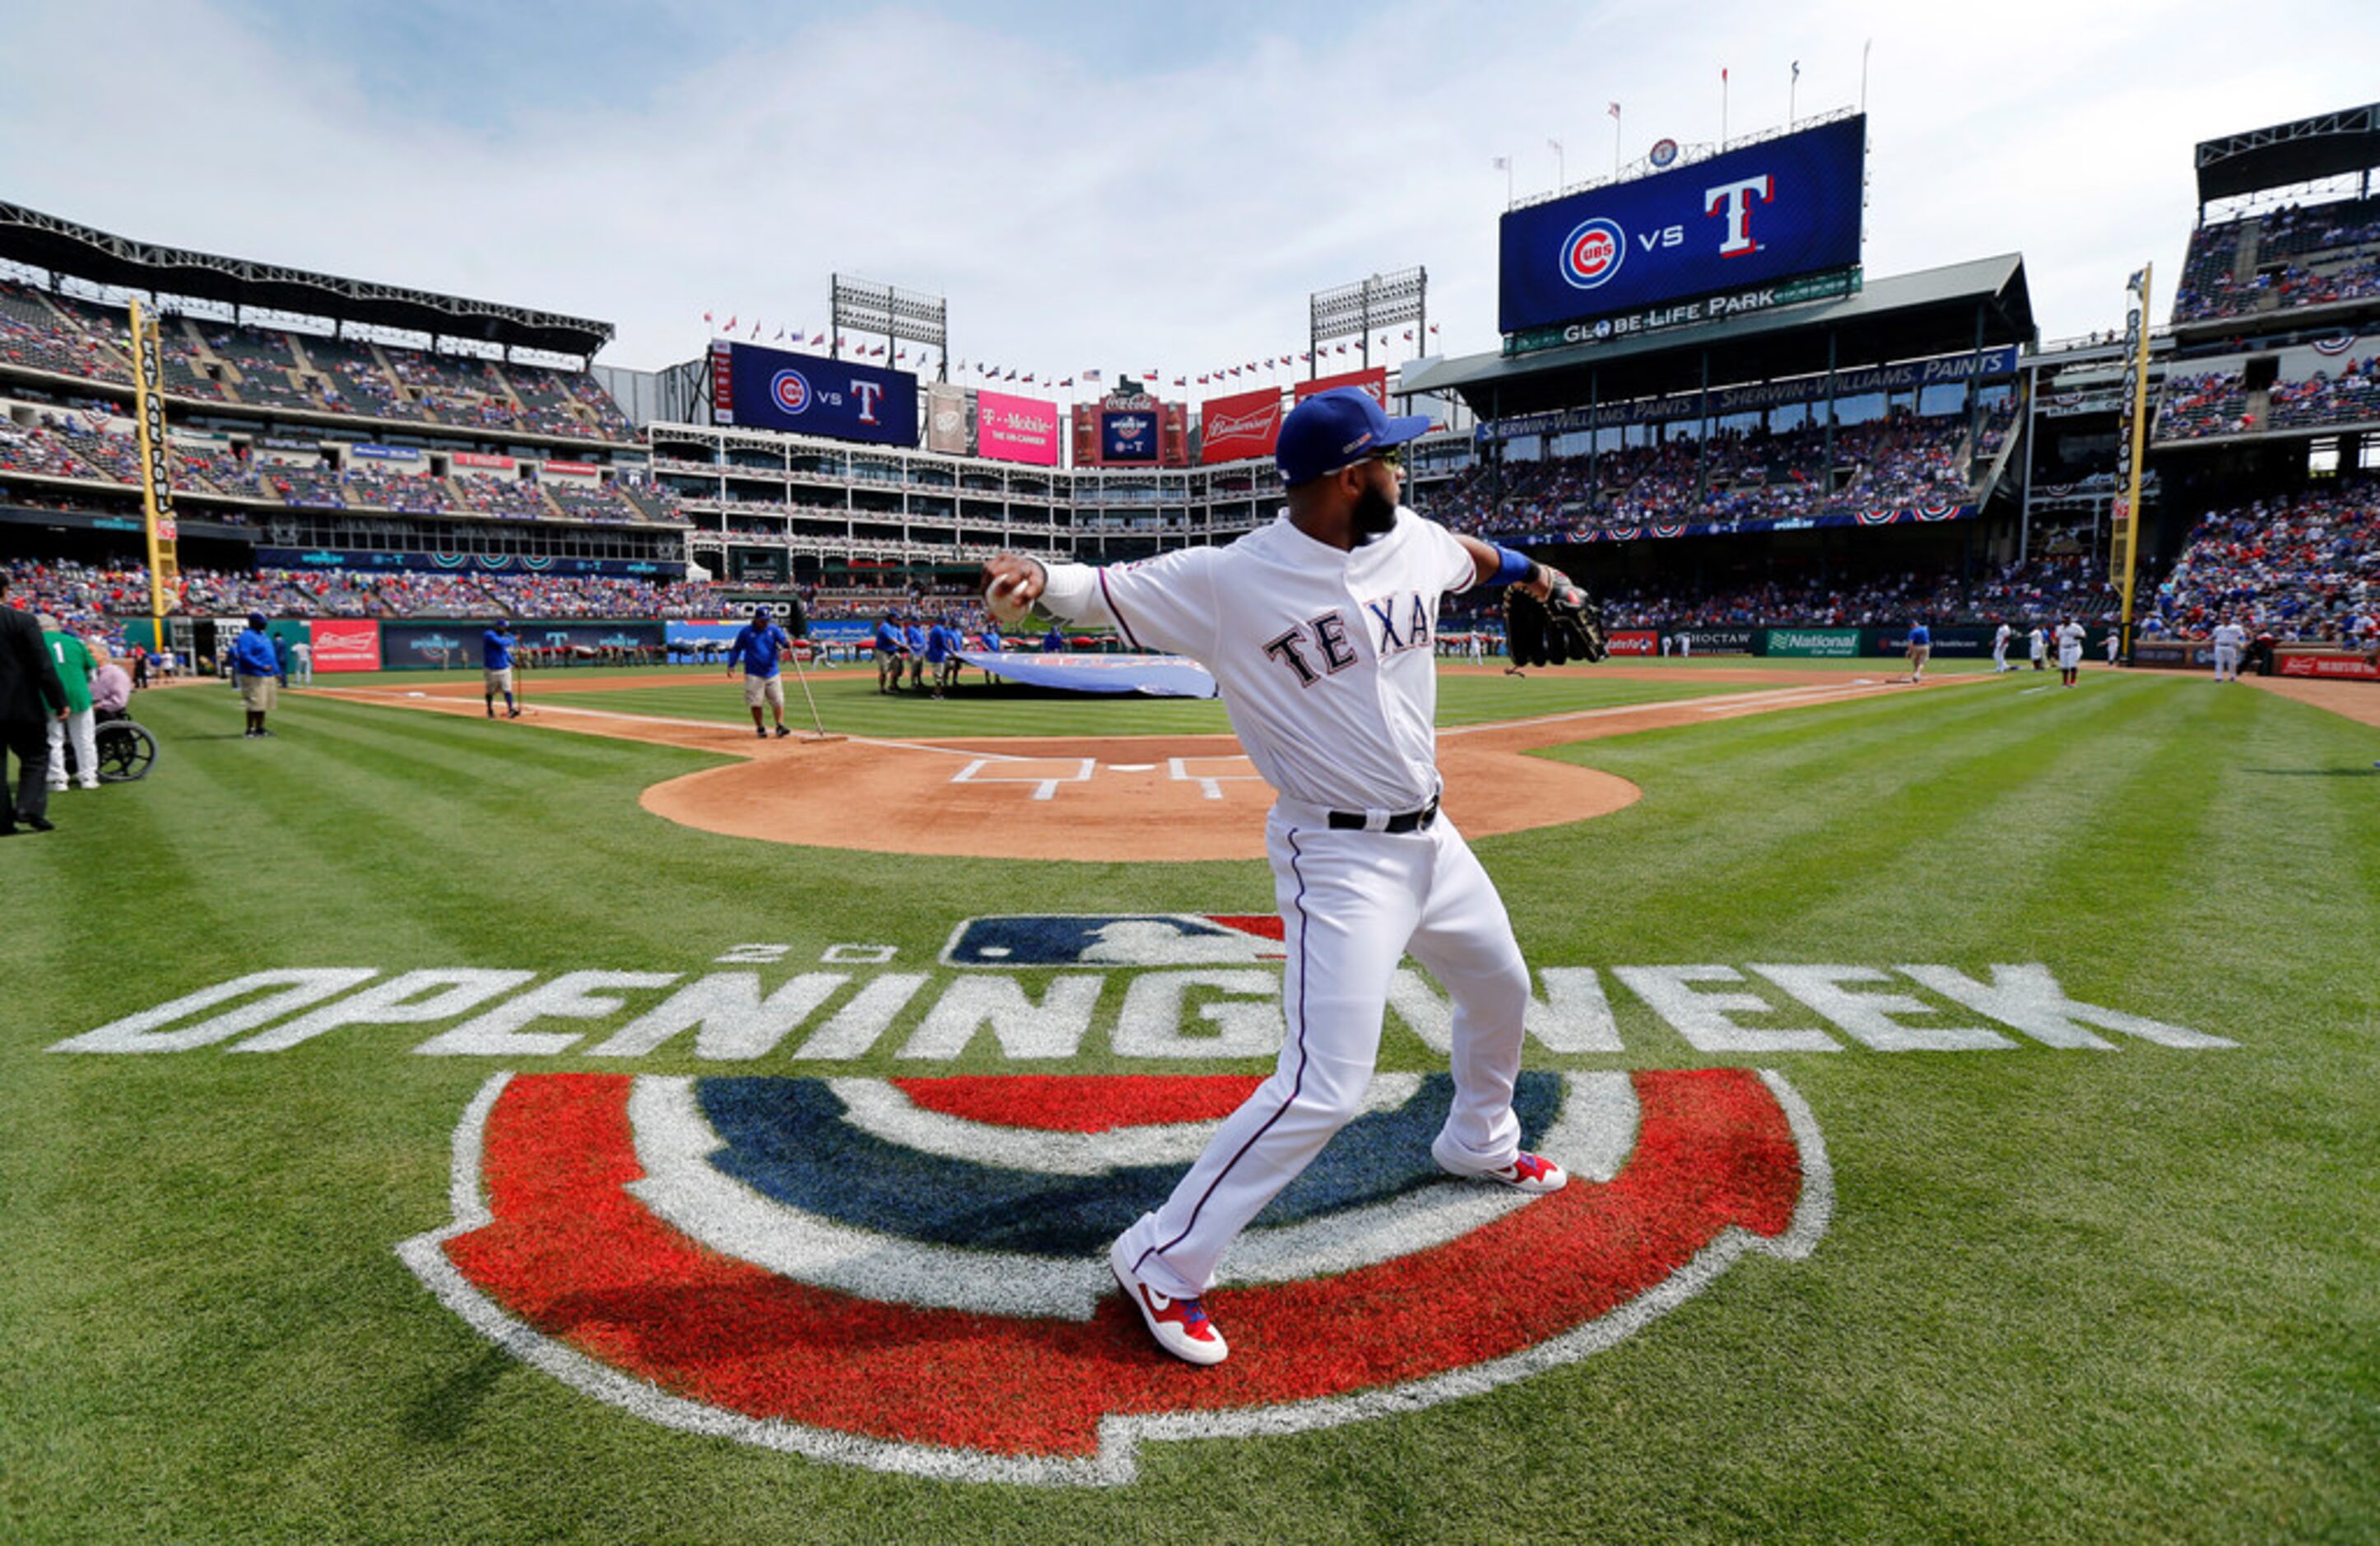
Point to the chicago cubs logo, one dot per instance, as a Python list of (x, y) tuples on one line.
[(909, 1275), (1593, 252), (791, 390)]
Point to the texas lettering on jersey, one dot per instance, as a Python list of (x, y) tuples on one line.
[(1287, 623), (1326, 635)]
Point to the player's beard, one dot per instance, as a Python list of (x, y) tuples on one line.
[(1375, 513)]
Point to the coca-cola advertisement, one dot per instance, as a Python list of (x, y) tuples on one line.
[(1234, 429), (347, 643), (1016, 429), (1374, 381)]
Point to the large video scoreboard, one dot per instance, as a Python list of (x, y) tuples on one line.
[(1761, 225)]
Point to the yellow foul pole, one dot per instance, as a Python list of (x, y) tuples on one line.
[(2123, 542), (156, 472)]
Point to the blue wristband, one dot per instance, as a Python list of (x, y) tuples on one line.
[(1511, 567)]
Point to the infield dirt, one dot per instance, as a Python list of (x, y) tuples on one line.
[(1132, 798)]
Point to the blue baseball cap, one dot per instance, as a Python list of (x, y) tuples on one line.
[(1337, 429), (256, 619), (762, 611)]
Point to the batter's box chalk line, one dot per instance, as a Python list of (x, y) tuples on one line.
[(1045, 786), (1210, 785)]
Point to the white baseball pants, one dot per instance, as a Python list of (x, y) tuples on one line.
[(1353, 903), (80, 725)]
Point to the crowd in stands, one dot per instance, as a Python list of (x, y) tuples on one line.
[(89, 592), (2216, 403), (2324, 252), (68, 447), (2300, 566), (2043, 589), (1892, 463), (337, 376)]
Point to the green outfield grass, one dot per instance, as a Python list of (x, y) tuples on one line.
[(2065, 1294)]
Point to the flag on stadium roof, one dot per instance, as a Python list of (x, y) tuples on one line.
[(817, 341), (1091, 375)]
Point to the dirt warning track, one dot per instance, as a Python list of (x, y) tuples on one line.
[(1130, 799)]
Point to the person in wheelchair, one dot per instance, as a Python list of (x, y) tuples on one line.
[(125, 750)]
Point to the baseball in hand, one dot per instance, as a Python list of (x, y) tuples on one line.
[(1003, 601)]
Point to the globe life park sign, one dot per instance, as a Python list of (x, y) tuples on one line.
[(1685, 313)]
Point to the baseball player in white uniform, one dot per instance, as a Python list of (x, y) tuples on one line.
[(1318, 629), (2115, 643), (2231, 642), (2070, 651), (2034, 643), (1999, 649)]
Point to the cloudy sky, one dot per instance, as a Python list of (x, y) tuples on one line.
[(1093, 184)]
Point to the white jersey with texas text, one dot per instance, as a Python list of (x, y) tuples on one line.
[(1325, 658)]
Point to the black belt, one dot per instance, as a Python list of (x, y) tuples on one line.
[(1406, 821)]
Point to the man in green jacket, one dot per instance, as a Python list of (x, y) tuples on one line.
[(72, 657)]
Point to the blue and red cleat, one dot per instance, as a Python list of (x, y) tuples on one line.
[(1181, 1326)]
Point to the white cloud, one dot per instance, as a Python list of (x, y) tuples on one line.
[(1172, 213)]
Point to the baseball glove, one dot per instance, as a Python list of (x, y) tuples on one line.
[(1524, 627), (1565, 626), (1574, 623)]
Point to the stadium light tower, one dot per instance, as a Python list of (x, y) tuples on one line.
[(897, 316), (1383, 300)]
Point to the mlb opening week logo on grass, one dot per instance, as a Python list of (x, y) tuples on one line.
[(908, 1273)]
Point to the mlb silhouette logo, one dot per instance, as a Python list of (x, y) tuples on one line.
[(1116, 940)]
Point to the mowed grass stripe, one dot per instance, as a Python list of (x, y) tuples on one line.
[(850, 706)]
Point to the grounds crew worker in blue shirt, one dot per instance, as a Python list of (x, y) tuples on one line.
[(1921, 645), (756, 648), (496, 647), (888, 655), (942, 654), (914, 636), (257, 668), (1053, 642)]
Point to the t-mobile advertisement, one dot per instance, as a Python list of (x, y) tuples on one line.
[(1016, 429), (1234, 429)]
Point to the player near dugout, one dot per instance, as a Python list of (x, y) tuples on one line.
[(1318, 629)]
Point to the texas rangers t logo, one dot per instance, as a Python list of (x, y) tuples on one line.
[(909, 1275)]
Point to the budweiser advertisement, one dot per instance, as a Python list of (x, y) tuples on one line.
[(1016, 429), (2352, 668), (1374, 381), (1234, 429), (347, 643)]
